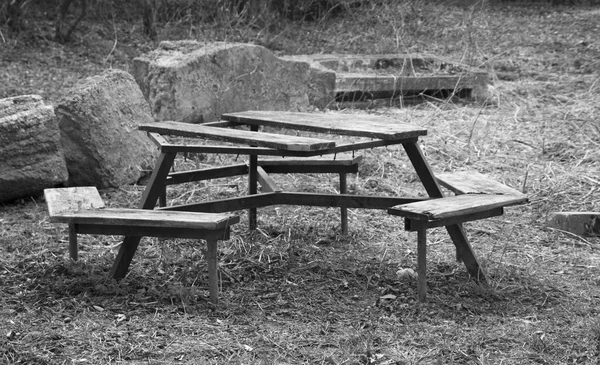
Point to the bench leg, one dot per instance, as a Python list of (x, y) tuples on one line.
[(252, 189), (73, 241), (344, 210), (422, 264), (213, 273)]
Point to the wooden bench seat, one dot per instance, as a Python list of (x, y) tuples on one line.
[(84, 211), (484, 198)]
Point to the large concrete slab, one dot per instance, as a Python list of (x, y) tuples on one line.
[(360, 77), (196, 82)]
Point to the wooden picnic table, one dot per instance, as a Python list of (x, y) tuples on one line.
[(367, 131)]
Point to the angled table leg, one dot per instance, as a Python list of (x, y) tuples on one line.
[(464, 251), (153, 190)]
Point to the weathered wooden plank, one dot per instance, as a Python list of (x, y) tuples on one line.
[(71, 200), (342, 200), (311, 165), (473, 182), (580, 223), (240, 150), (229, 204), (311, 169), (454, 206), (331, 160), (148, 218), (260, 139), (206, 174), (285, 198), (414, 224), (360, 125), (151, 231)]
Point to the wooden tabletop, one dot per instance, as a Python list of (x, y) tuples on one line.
[(261, 139), (360, 125)]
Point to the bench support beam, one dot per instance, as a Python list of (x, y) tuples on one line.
[(422, 263)]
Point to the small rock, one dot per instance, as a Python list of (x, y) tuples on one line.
[(406, 274)]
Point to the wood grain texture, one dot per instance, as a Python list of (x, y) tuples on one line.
[(455, 206), (259, 139), (360, 125), (148, 218), (71, 200), (472, 182)]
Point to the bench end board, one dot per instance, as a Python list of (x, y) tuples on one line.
[(72, 200)]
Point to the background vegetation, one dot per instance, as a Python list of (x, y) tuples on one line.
[(296, 291)]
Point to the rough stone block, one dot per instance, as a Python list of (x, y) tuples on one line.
[(98, 122), (580, 223), (19, 103), (30, 155), (197, 82)]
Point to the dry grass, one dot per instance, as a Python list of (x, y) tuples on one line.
[(296, 291)]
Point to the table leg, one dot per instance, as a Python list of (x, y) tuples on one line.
[(464, 251), (153, 190), (253, 185), (344, 210)]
